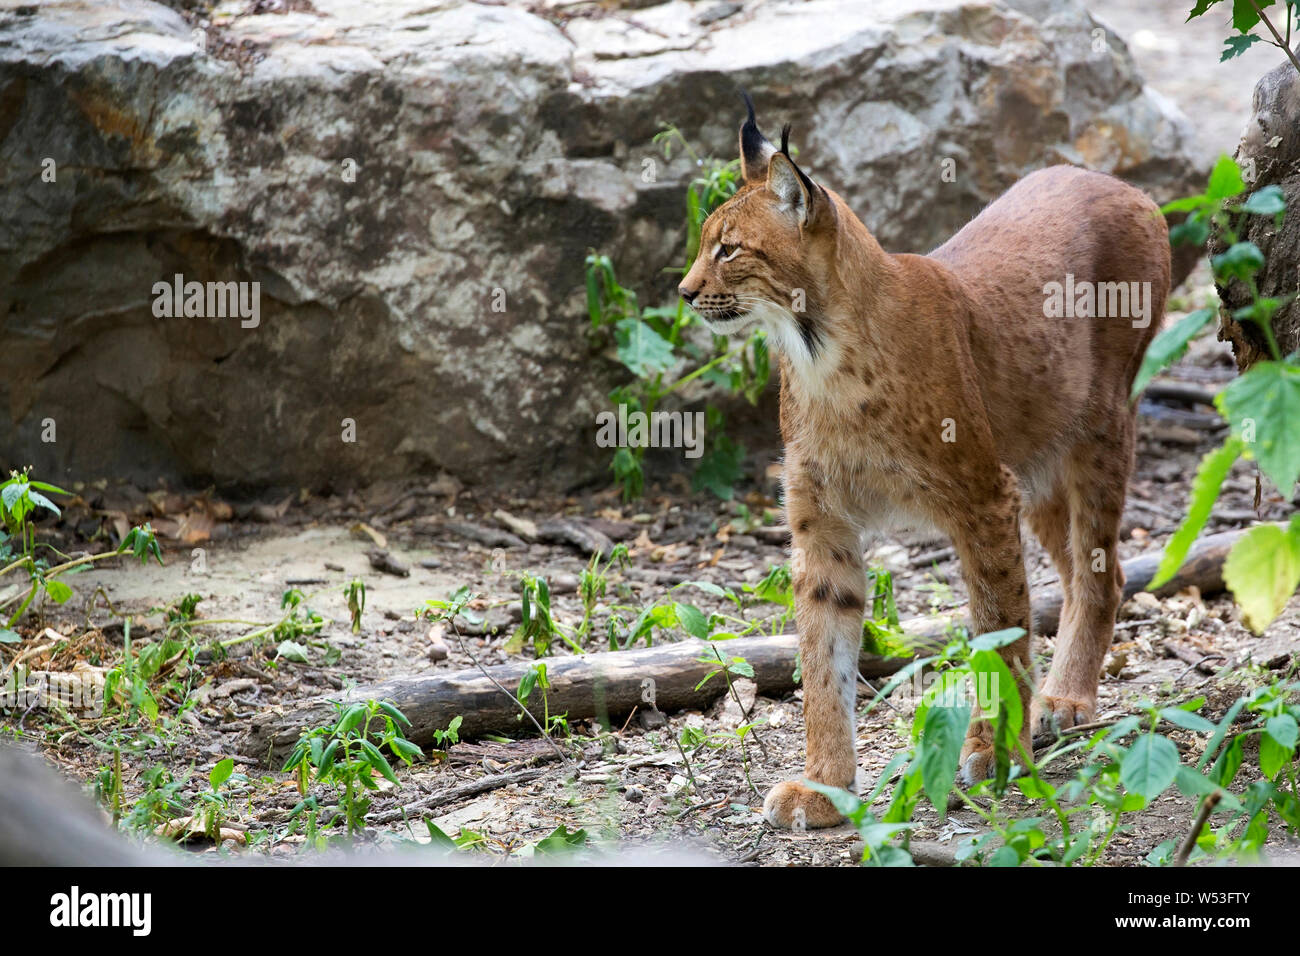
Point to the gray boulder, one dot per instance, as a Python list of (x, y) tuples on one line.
[(414, 186)]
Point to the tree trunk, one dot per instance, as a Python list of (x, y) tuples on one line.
[(1271, 144)]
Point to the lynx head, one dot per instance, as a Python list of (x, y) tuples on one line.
[(764, 252)]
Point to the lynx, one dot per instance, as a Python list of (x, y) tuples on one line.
[(953, 390)]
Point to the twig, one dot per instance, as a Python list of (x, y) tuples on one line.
[(1207, 807), (1277, 36), (455, 794), (568, 761)]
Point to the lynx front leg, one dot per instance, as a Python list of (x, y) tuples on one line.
[(829, 594)]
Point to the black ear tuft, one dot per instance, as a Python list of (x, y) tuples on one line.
[(755, 150), (808, 184)]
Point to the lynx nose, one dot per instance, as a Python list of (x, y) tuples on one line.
[(688, 294)]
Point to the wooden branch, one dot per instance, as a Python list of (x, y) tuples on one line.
[(473, 788), (610, 685)]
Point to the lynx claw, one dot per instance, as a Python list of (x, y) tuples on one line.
[(789, 802), (1051, 715)]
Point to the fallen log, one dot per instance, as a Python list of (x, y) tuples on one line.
[(611, 685)]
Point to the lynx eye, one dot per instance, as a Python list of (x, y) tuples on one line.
[(726, 253)]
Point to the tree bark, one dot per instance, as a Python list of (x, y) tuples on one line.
[(1271, 144)]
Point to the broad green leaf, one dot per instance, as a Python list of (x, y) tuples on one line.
[(1268, 201), (1200, 7), (1187, 720), (8, 636), (643, 350), (945, 730), (1263, 407), (292, 651), (1209, 478), (1149, 766), (1225, 178), (1283, 729), (692, 620), (1272, 756), (562, 840), (1263, 571), (1241, 261), (1168, 347), (1237, 45), (58, 591), (221, 772), (1225, 768), (720, 468)]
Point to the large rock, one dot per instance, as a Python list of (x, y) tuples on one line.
[(492, 148)]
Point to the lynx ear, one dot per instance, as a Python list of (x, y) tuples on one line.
[(755, 150), (795, 191)]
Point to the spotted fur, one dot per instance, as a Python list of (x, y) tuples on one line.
[(935, 390)]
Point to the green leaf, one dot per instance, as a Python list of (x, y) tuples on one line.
[(1237, 45), (439, 839), (1149, 766), (1246, 13), (378, 761), (643, 350), (562, 840), (720, 468), (1263, 404), (1168, 347), (1209, 478), (221, 772), (58, 591), (1263, 571), (292, 651), (8, 636), (1272, 756), (1187, 720), (1284, 730), (1225, 178), (692, 620), (1201, 7), (945, 730), (1268, 201), (41, 501), (1225, 768), (1241, 261)]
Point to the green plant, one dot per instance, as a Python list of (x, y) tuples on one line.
[(20, 498), (1246, 15), (355, 592), (346, 755), (214, 801), (535, 678), (1261, 405), (1033, 821), (594, 582), (654, 345)]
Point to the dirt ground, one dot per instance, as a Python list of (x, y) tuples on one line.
[(448, 536), (248, 554)]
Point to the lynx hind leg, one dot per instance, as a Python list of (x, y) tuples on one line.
[(829, 589), (985, 531), (1097, 476)]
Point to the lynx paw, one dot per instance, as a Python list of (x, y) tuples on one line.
[(785, 801), (1051, 715), (977, 753)]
